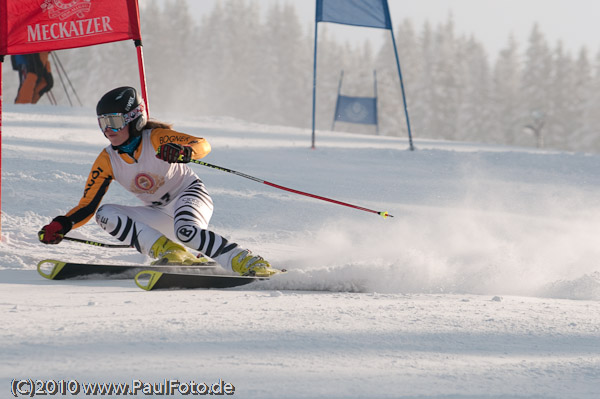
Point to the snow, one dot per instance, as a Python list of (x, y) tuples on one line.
[(485, 284)]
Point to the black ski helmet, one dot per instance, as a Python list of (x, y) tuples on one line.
[(123, 100)]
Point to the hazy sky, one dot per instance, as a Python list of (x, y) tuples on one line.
[(575, 22)]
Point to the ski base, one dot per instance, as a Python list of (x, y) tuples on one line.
[(154, 280), (66, 270)]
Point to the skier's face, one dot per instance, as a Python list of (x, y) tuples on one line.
[(119, 137)]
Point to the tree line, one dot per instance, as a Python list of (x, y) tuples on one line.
[(255, 62)]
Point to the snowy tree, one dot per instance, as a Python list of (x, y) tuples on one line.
[(256, 64), (506, 81), (445, 84), (592, 108), (211, 42), (425, 95), (475, 111), (329, 65), (581, 135), (391, 107), (175, 62), (562, 120), (286, 67), (536, 83)]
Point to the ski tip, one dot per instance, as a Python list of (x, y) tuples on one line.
[(272, 272)]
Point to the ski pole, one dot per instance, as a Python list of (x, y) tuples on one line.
[(97, 244), (383, 214), (64, 71)]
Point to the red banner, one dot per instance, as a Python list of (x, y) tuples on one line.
[(32, 26)]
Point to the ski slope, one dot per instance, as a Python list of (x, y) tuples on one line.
[(485, 284)]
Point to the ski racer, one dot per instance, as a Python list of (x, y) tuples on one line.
[(149, 159)]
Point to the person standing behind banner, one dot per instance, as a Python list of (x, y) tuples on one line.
[(35, 76)]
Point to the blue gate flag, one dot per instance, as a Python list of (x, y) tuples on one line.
[(369, 13), (356, 110)]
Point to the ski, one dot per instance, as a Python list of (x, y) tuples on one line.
[(59, 270), (154, 280)]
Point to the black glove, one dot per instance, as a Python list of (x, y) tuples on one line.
[(174, 153), (54, 232)]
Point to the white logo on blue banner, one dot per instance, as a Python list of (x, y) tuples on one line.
[(357, 110)]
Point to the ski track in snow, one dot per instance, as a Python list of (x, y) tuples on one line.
[(485, 284)]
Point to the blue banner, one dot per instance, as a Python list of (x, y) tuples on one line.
[(369, 13), (356, 110)]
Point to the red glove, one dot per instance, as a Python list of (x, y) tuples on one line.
[(174, 153), (54, 232)]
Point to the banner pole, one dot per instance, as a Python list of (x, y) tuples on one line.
[(140, 55), (314, 98), (337, 103), (410, 140), (64, 71), (1, 63), (375, 93)]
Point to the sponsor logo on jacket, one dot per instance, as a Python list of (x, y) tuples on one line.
[(146, 183), (174, 139), (94, 175)]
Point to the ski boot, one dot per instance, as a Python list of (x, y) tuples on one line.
[(170, 253), (247, 264)]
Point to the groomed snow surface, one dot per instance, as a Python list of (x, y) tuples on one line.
[(485, 284)]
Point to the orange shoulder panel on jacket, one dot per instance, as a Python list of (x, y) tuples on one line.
[(200, 146), (97, 183)]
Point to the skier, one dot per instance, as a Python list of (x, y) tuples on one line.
[(148, 159), (35, 76)]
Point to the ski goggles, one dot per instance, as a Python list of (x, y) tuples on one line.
[(118, 121)]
